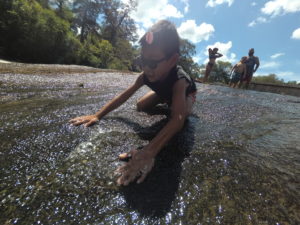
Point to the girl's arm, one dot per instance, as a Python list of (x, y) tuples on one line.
[(120, 99), (219, 55), (110, 106), (142, 161), (233, 68), (179, 112)]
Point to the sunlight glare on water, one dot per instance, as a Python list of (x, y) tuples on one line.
[(236, 161)]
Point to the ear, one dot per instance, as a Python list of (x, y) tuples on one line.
[(174, 59)]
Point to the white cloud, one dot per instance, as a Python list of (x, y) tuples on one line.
[(253, 4), (187, 5), (140, 32), (280, 7), (269, 65), (224, 49), (296, 34), (149, 11), (257, 21), (189, 30), (197, 58), (252, 24), (214, 3), (288, 76), (277, 55)]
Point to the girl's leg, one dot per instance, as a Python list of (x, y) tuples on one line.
[(207, 72), (190, 100), (148, 101)]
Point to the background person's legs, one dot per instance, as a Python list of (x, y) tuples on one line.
[(207, 72), (249, 78)]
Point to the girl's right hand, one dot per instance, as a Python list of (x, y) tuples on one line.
[(87, 121)]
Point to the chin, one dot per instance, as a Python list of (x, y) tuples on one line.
[(152, 78)]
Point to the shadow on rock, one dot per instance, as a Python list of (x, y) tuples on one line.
[(155, 195)]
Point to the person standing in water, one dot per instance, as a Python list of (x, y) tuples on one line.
[(251, 62), (212, 55)]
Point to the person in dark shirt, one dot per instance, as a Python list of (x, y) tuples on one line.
[(169, 84), (251, 62), (212, 55)]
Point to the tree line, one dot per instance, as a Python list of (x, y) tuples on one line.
[(97, 33), (70, 32), (85, 32)]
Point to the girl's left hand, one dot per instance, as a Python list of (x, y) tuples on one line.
[(139, 165)]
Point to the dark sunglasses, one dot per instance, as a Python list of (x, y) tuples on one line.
[(152, 64)]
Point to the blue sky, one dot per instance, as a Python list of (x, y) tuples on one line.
[(271, 27)]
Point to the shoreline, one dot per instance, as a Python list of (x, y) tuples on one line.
[(7, 67), (27, 68)]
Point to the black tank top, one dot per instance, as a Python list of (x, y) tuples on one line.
[(164, 89)]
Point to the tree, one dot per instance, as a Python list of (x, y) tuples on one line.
[(292, 82), (44, 3), (221, 72), (117, 24), (124, 55), (35, 34), (96, 52), (187, 50), (62, 9), (271, 79), (86, 15)]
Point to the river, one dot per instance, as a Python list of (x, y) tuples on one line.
[(236, 161)]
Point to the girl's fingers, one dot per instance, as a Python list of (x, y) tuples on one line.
[(142, 178), (79, 122), (89, 123)]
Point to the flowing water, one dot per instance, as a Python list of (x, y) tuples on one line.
[(236, 161)]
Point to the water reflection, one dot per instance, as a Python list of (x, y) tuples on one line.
[(235, 162), (156, 194)]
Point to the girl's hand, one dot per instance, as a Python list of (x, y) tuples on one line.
[(86, 120), (139, 165)]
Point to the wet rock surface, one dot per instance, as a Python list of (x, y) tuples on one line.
[(236, 161)]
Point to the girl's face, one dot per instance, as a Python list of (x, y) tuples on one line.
[(155, 64)]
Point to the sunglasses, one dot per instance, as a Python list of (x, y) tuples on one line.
[(152, 64)]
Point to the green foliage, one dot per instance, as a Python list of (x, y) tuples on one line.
[(187, 50), (123, 56), (293, 83), (88, 32), (117, 24), (61, 7), (220, 72), (34, 34), (96, 52), (86, 15), (271, 79)]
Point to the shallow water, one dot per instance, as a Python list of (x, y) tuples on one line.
[(236, 161)]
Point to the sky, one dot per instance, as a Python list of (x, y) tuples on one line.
[(271, 27)]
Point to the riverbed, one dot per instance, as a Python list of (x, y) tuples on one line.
[(236, 161)]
